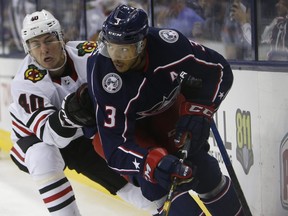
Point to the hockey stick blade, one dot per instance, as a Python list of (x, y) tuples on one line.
[(230, 170), (183, 156)]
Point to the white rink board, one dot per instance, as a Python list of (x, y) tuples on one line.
[(261, 97), (254, 114), (7, 70), (6, 99)]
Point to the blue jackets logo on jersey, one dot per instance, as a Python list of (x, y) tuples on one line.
[(112, 83), (86, 47), (34, 74), (169, 36)]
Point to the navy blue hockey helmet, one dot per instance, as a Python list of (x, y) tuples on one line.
[(125, 25)]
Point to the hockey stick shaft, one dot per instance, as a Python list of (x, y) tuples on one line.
[(230, 170), (167, 203)]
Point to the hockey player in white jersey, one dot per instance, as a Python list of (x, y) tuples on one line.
[(42, 146)]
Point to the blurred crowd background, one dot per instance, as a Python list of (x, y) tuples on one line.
[(241, 30)]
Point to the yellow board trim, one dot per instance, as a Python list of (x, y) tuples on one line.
[(6, 144), (5, 141), (84, 180)]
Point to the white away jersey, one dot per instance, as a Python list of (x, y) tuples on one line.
[(37, 97)]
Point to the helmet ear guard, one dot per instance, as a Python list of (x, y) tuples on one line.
[(141, 46), (39, 23)]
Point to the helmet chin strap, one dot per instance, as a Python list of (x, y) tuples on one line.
[(64, 63), (139, 62)]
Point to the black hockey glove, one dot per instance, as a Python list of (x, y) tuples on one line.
[(195, 121), (160, 167), (194, 118), (77, 109), (190, 86)]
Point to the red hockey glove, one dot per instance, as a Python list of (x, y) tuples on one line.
[(77, 109), (160, 167), (195, 121)]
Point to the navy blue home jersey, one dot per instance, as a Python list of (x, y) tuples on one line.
[(123, 99)]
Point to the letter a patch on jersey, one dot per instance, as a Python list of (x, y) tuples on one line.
[(34, 74)]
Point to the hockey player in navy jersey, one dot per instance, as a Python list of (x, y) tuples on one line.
[(42, 146), (154, 91)]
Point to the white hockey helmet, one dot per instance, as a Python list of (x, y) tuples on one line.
[(38, 23)]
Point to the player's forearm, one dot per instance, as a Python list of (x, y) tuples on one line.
[(55, 134), (126, 159)]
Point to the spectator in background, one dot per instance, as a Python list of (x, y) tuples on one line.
[(98, 11), (228, 27), (108, 5), (213, 14), (241, 14), (275, 34), (236, 34), (69, 12), (178, 15)]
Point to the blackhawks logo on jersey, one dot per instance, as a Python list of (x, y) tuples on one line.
[(86, 47), (34, 74)]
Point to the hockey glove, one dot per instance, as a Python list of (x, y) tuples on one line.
[(190, 86), (195, 121), (77, 109), (160, 167)]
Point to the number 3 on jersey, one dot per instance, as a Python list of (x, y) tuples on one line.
[(110, 121)]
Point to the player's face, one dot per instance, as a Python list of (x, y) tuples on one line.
[(47, 50), (123, 56)]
